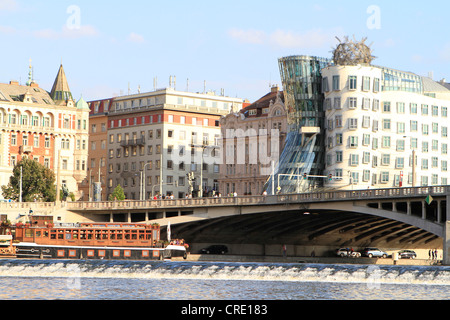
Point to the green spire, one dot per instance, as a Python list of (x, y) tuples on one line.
[(30, 75)]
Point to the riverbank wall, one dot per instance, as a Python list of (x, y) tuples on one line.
[(300, 259)]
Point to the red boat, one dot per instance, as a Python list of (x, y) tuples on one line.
[(133, 241)]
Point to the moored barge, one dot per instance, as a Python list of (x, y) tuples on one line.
[(110, 241)]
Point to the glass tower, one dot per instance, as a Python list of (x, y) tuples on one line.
[(301, 163)]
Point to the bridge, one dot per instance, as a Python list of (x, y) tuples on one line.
[(412, 218)]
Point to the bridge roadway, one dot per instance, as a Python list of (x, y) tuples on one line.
[(388, 218), (391, 218)]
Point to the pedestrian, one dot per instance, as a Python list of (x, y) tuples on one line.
[(435, 254), (284, 251), (432, 254)]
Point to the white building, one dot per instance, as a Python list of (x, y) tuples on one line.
[(156, 139), (377, 120)]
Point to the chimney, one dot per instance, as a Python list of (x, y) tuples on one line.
[(274, 89), (14, 82)]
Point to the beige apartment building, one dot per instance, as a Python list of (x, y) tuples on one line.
[(253, 139), (165, 142), (94, 186)]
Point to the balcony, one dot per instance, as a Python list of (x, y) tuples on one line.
[(133, 142), (25, 149)]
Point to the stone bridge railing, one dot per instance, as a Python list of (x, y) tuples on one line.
[(328, 196)]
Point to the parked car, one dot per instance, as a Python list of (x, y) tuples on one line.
[(407, 254), (374, 252), (215, 249), (344, 252)]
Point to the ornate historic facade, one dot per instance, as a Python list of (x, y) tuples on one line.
[(49, 127), (252, 139)]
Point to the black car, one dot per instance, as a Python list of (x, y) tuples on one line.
[(407, 254), (215, 249)]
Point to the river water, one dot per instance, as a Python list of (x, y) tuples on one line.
[(138, 280)]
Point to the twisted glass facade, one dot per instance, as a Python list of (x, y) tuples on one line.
[(304, 148)]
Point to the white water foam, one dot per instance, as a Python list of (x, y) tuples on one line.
[(430, 275)]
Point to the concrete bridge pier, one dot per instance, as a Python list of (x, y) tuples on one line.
[(446, 245), (446, 240)]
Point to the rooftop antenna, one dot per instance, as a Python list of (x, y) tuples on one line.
[(204, 86), (187, 85), (175, 82), (129, 88), (139, 88)]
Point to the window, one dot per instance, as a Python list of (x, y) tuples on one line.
[(400, 107), (435, 111), (400, 145), (336, 83), (338, 121), (424, 109), (352, 82), (352, 123), (376, 85), (413, 108), (325, 87), (399, 163), (366, 122), (366, 84), (385, 159), (366, 104), (366, 157), (354, 159), (424, 164), (337, 103), (339, 156), (352, 102), (13, 140), (386, 124), (386, 142), (353, 140), (366, 139), (386, 106), (384, 177)]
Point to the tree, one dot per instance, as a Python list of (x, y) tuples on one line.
[(117, 194), (38, 183)]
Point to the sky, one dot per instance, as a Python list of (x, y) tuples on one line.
[(110, 48)]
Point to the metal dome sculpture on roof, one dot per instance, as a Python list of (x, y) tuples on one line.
[(352, 52)]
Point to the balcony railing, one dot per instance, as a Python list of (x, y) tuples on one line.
[(133, 142)]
